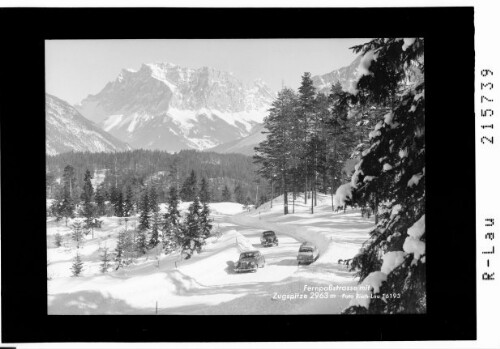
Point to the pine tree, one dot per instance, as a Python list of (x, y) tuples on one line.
[(105, 260), (393, 167), (58, 239), (189, 188), (77, 266), (277, 153), (192, 238), (226, 194), (171, 230), (306, 114)]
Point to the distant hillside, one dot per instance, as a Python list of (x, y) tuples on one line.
[(67, 130), (244, 145)]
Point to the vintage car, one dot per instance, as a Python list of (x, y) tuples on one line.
[(250, 261), (269, 238), (308, 253)]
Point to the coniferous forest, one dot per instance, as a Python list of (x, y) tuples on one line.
[(379, 123)]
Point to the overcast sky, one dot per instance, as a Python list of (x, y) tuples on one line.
[(77, 68)]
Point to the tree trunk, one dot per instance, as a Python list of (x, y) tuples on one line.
[(331, 193), (285, 194), (305, 192)]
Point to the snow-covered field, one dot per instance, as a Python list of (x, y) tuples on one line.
[(207, 283)]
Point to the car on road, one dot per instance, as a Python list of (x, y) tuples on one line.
[(269, 238), (250, 261), (308, 253)]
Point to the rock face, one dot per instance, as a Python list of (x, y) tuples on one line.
[(168, 107), (344, 75), (67, 130)]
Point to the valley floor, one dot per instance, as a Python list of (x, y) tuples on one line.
[(207, 283)]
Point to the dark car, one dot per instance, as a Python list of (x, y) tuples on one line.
[(250, 261), (308, 253), (269, 238)]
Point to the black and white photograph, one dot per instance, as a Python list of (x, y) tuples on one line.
[(248, 176), (242, 176)]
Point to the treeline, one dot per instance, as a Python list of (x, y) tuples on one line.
[(137, 169)]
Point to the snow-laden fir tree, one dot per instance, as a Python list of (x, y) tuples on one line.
[(192, 239), (77, 266), (392, 261), (105, 259), (171, 223)]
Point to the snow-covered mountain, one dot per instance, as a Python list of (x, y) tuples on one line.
[(67, 130), (168, 107), (345, 75)]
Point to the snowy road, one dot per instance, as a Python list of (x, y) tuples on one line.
[(207, 283)]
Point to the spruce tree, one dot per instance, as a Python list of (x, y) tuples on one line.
[(204, 191), (226, 194), (171, 225), (144, 211), (393, 259), (77, 266), (141, 244), (189, 188), (205, 221), (154, 218), (128, 206), (120, 248), (239, 195), (105, 260), (192, 239), (87, 197), (78, 231), (67, 208), (100, 200)]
